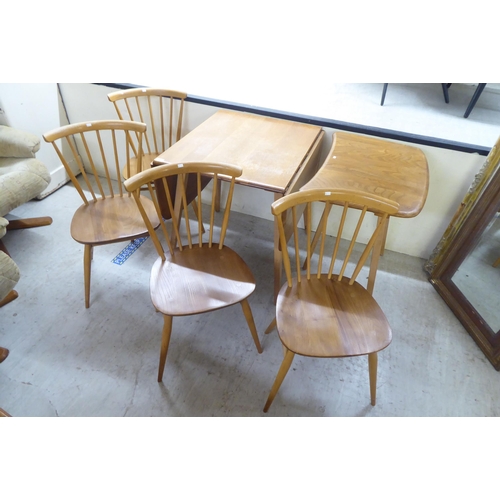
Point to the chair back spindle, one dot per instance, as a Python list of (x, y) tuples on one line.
[(353, 206), (160, 109), (98, 149), (178, 204), (92, 154)]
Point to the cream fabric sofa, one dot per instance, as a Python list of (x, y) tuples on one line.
[(9, 272), (22, 178)]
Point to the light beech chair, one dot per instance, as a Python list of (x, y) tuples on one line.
[(202, 274), (109, 214), (162, 110), (320, 313)]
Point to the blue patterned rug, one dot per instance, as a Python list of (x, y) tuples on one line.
[(122, 257)]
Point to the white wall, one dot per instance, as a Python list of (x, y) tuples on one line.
[(451, 172), (35, 108)]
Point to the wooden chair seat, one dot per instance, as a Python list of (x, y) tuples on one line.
[(326, 318), (110, 219), (198, 280)]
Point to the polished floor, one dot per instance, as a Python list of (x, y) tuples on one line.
[(66, 360)]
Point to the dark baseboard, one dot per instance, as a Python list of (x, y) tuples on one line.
[(329, 123)]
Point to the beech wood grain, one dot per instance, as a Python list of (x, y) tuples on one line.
[(322, 311), (195, 271)]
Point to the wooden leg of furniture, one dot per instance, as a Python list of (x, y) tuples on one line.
[(317, 234), (271, 326), (251, 323), (278, 258), (9, 298), (4, 352), (384, 238), (3, 413), (497, 262), (372, 368), (376, 251), (87, 259), (285, 366), (165, 341), (32, 222)]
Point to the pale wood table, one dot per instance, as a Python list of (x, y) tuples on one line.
[(276, 155), (395, 171)]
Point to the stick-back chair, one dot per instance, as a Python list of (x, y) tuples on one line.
[(202, 274), (321, 311), (95, 151), (162, 110)]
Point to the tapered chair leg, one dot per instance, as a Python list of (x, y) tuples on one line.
[(251, 323), (9, 298), (87, 259), (165, 341), (4, 352), (271, 326), (31, 222), (285, 366), (372, 368)]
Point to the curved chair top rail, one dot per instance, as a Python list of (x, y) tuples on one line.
[(372, 202), (122, 94), (77, 128), (148, 176)]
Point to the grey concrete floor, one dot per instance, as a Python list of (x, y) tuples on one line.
[(66, 360)]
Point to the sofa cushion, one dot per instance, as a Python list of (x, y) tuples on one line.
[(16, 143), (21, 180)]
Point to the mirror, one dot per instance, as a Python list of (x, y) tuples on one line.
[(465, 265)]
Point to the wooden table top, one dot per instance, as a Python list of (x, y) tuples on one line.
[(395, 171), (269, 150)]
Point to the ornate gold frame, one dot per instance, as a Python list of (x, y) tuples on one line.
[(480, 205)]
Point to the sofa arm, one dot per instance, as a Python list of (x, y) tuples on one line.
[(9, 274), (16, 143), (3, 226)]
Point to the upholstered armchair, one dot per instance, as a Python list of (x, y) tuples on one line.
[(9, 272), (22, 178)]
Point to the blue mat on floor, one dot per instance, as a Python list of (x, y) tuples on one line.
[(128, 251)]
